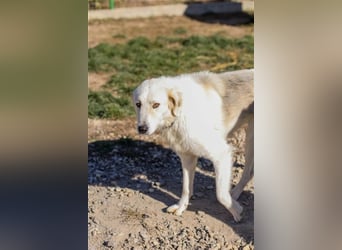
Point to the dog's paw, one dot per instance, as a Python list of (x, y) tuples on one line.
[(176, 209), (237, 217), (237, 211)]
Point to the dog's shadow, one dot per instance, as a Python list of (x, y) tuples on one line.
[(156, 171)]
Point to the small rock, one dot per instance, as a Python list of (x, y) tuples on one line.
[(156, 184), (217, 246), (144, 235), (200, 213), (142, 177), (247, 247), (150, 190), (232, 247), (137, 248), (210, 187)]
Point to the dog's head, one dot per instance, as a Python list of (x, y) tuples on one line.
[(156, 104)]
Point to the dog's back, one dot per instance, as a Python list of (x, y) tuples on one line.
[(236, 89), (239, 97)]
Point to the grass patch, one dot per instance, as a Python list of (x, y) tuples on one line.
[(122, 36), (179, 31), (103, 105), (141, 58)]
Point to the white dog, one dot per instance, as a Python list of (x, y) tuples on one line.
[(195, 113)]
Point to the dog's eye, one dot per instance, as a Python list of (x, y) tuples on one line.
[(155, 105), (138, 104)]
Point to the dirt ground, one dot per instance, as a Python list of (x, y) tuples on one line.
[(119, 31), (133, 178)]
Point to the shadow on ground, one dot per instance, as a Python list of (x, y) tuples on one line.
[(142, 166), (230, 13)]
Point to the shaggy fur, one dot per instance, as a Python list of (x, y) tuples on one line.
[(195, 113)]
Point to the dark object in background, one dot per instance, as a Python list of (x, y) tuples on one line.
[(230, 13)]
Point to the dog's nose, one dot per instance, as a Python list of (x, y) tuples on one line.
[(142, 129)]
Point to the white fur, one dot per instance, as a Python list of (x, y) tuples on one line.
[(194, 127)]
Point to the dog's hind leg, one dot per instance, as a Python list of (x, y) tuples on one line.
[(188, 167), (223, 164), (249, 165)]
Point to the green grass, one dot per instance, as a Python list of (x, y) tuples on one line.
[(141, 58), (104, 105), (179, 31)]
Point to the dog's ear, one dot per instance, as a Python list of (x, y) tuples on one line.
[(175, 101)]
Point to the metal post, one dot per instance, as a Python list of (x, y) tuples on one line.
[(111, 4)]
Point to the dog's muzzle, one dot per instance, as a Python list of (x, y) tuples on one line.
[(142, 129)]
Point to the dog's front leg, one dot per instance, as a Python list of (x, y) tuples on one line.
[(188, 168)]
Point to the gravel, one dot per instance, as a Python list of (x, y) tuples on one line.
[(131, 182)]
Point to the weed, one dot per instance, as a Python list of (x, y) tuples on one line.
[(119, 36), (132, 215)]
